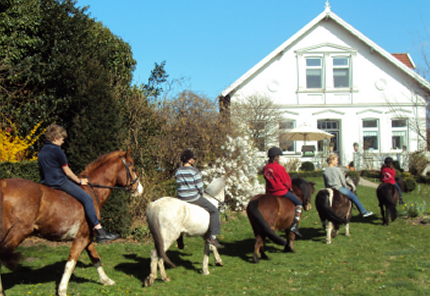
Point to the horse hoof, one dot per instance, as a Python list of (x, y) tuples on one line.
[(167, 279), (206, 273), (219, 264), (149, 281)]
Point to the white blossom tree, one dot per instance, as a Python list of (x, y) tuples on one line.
[(239, 166)]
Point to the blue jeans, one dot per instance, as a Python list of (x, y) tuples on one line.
[(352, 197), (398, 189), (83, 197), (296, 201)]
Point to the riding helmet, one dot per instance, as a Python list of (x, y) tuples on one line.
[(186, 155), (388, 160), (274, 151)]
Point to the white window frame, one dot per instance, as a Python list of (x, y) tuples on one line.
[(315, 68), (341, 67), (371, 132), (399, 131)]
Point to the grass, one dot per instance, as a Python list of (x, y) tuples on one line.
[(375, 260)]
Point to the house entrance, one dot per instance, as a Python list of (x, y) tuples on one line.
[(331, 127)]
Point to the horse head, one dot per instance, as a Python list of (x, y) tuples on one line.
[(215, 191), (303, 190), (128, 177), (351, 184)]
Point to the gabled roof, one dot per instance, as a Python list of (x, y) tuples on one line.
[(406, 59), (327, 13)]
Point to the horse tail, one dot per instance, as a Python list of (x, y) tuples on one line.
[(255, 214), (323, 205), (385, 197), (7, 257), (154, 227)]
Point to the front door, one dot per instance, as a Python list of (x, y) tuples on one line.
[(332, 127)]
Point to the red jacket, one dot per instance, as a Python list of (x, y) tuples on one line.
[(388, 175), (278, 182)]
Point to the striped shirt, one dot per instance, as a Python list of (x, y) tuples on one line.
[(190, 184)]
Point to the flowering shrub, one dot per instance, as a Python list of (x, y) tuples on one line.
[(239, 167), (13, 148), (414, 210)]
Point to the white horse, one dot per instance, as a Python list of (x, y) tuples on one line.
[(168, 218)]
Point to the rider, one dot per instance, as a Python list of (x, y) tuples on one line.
[(278, 183), (55, 172), (190, 189), (333, 178), (387, 176)]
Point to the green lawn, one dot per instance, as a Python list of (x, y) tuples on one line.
[(375, 260)]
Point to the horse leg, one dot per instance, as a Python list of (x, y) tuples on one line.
[(217, 257), (328, 230), (1, 286), (153, 275), (75, 252), (347, 229), (259, 245), (95, 259), (384, 219), (335, 231), (163, 273), (289, 246), (206, 259)]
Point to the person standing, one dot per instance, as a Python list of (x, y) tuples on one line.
[(278, 183), (55, 172), (190, 189), (334, 179)]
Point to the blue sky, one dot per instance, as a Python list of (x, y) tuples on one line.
[(213, 43)]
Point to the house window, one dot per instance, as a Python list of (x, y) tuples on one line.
[(340, 72), (284, 126), (399, 133), (313, 73), (370, 134)]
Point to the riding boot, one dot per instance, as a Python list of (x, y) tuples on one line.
[(295, 227), (103, 236)]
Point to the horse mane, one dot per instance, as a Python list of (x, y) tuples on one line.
[(215, 187), (304, 186), (351, 183), (100, 161)]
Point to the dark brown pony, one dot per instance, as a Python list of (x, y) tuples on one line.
[(268, 213), (388, 197), (334, 209), (27, 207)]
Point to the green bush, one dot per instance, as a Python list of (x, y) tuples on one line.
[(354, 175), (116, 213), (307, 166), (23, 169), (410, 184), (417, 162), (141, 233)]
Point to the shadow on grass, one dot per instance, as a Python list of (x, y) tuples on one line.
[(49, 273)]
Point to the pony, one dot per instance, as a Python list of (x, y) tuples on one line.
[(268, 213), (334, 209), (27, 208), (168, 218), (388, 197)]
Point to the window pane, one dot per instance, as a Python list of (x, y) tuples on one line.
[(340, 61), (341, 77), (370, 123), (398, 123), (313, 62), (334, 125), (286, 125), (370, 142), (313, 78), (398, 139)]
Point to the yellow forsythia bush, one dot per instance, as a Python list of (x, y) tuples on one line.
[(13, 148)]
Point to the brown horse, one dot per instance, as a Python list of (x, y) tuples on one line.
[(388, 197), (334, 209), (268, 213), (27, 207)]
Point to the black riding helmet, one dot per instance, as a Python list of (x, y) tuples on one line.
[(388, 160), (186, 155), (274, 151)]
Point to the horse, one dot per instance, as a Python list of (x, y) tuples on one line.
[(27, 208), (169, 218), (335, 208), (268, 213), (388, 197)]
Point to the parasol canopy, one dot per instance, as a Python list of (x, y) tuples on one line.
[(307, 133)]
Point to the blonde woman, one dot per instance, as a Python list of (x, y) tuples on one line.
[(333, 178)]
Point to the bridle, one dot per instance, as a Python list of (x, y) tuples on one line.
[(222, 205), (125, 188)]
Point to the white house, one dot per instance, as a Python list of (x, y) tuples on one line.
[(330, 76)]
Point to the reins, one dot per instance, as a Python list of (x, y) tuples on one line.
[(222, 205), (125, 188)]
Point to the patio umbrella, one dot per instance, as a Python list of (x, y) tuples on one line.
[(307, 133)]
